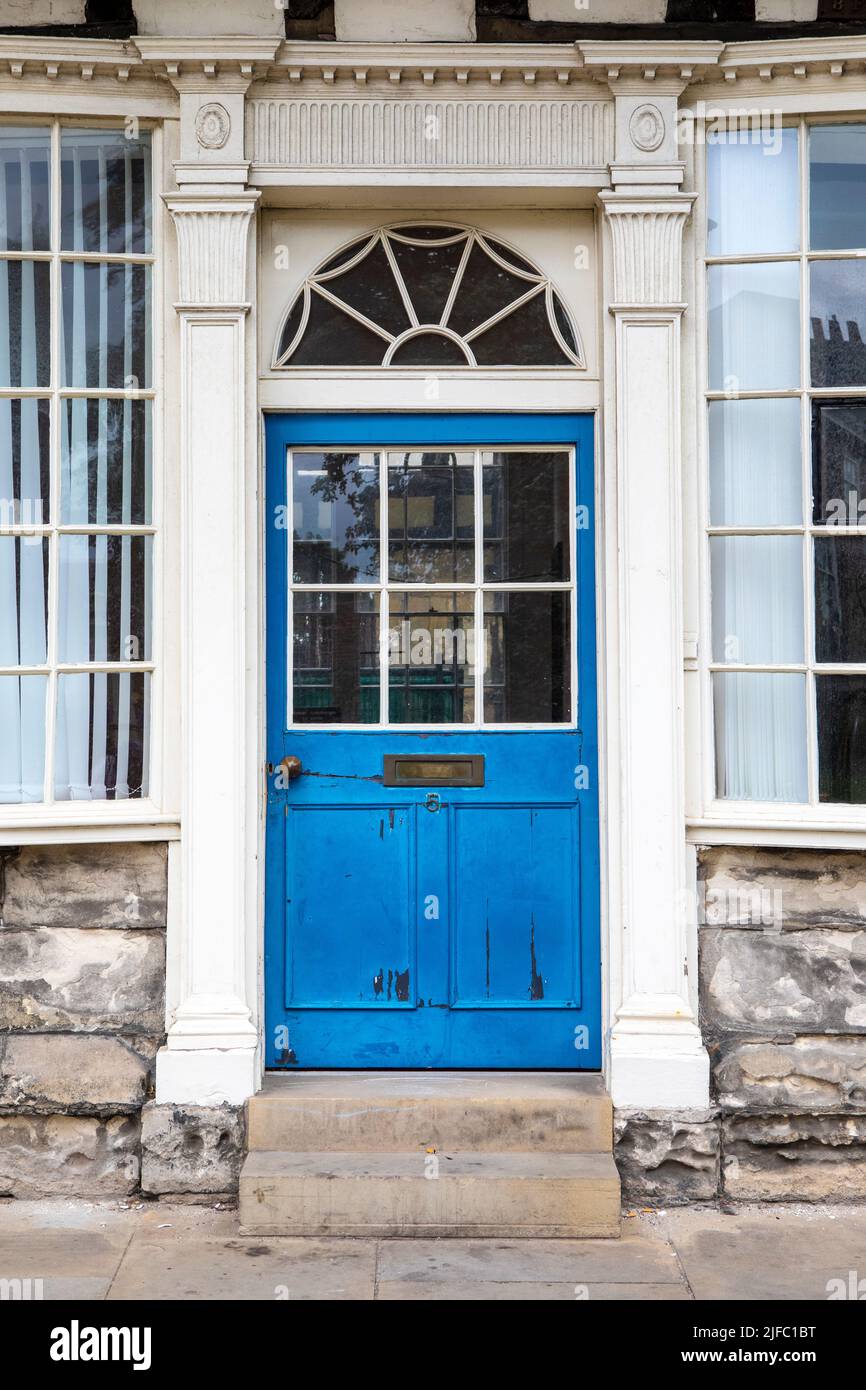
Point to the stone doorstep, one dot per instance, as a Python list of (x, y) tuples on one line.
[(485, 1195), (498, 1112), (491, 1154)]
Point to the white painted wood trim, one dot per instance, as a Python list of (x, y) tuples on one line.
[(212, 1052), (656, 1059)]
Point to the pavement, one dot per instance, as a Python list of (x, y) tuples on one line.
[(126, 1249)]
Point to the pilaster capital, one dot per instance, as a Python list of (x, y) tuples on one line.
[(212, 247), (647, 240), (211, 77)]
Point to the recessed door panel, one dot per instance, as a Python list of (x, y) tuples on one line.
[(516, 907), (349, 906)]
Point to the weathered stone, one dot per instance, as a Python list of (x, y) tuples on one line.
[(47, 1072), (396, 21), (793, 889), (68, 1155), (809, 1073), (32, 12), (85, 886), (667, 1158), (64, 979), (202, 17), (809, 1158), (191, 1148), (810, 981), (611, 12)]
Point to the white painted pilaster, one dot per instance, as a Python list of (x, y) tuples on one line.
[(212, 1053), (212, 1049), (657, 1059)]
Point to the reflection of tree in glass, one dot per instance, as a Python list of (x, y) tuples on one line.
[(434, 546), (347, 486)]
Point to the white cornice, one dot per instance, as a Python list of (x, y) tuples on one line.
[(229, 60), (793, 57), (31, 56), (609, 60)]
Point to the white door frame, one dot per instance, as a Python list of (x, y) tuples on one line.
[(654, 1057)]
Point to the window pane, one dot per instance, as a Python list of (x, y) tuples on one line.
[(837, 187), (24, 188), (760, 736), (485, 288), (431, 517), (336, 658), (527, 676), (840, 598), (746, 170), (839, 462), (102, 737), (431, 659), (838, 316), (522, 338), (105, 462), (335, 518), (105, 192), (841, 706), (430, 350), (370, 288), (25, 323), (757, 589), (23, 601), (24, 463), (754, 326), (333, 336), (105, 325), (526, 516), (755, 463), (428, 272), (105, 598), (22, 745)]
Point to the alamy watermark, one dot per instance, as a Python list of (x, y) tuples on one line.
[(743, 125)]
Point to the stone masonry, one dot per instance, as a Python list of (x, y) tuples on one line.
[(82, 1014), (782, 943)]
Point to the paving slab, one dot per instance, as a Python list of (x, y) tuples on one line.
[(637, 1257), (457, 1291), (161, 1265), (772, 1251), (128, 1250)]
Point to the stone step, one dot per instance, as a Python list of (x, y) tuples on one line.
[(406, 1112), (492, 1195)]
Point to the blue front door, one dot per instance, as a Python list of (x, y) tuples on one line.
[(432, 844)]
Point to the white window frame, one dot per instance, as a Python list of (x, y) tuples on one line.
[(477, 586), (724, 820), (152, 817)]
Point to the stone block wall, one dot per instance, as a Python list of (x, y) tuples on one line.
[(782, 954), (82, 1004), (82, 1015)]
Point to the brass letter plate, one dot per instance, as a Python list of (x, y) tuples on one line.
[(431, 770)]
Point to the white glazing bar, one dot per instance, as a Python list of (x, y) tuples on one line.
[(54, 470), (480, 649), (384, 602), (290, 588), (805, 471)]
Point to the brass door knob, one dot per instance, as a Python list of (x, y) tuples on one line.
[(291, 768)]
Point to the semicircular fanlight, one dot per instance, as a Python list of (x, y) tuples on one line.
[(422, 296)]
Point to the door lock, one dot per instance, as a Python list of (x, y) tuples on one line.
[(432, 801)]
